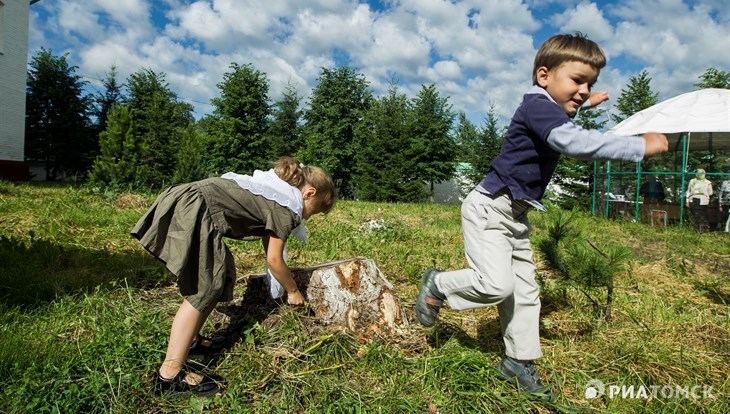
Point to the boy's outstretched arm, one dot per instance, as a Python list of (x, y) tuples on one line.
[(656, 143)]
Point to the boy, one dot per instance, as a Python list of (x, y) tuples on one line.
[(494, 215)]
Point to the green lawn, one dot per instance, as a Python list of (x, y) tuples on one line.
[(85, 313)]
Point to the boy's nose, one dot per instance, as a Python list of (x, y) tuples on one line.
[(584, 90)]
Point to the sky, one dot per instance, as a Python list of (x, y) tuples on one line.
[(478, 53)]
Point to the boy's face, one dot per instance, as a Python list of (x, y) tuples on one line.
[(569, 84)]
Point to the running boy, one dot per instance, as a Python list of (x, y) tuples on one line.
[(494, 215), (184, 229)]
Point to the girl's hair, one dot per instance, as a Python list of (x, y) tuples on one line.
[(297, 175), (566, 47)]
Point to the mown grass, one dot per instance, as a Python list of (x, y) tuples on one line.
[(85, 314)]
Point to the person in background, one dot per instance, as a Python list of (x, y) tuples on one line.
[(699, 191), (184, 229), (652, 190), (724, 205), (495, 225)]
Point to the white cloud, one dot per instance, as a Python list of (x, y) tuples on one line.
[(585, 18), (477, 52)]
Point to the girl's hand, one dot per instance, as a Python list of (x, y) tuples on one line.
[(295, 298)]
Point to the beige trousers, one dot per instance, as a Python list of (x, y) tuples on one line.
[(501, 271)]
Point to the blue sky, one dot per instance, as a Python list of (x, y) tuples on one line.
[(478, 53)]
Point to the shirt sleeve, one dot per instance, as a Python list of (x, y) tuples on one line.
[(572, 140)]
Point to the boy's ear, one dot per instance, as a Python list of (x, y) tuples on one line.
[(541, 74)]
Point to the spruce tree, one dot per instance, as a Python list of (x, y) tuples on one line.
[(159, 120), (118, 165), (237, 127), (432, 154), (713, 78), (285, 129), (58, 129), (635, 97), (189, 165), (384, 136), (337, 106)]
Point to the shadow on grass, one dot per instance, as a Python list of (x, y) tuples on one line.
[(714, 291), (488, 338), (36, 271)]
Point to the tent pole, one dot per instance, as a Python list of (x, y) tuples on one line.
[(636, 191), (595, 188), (608, 187), (685, 149)]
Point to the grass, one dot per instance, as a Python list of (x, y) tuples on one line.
[(85, 314)]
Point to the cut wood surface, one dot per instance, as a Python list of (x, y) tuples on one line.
[(351, 293)]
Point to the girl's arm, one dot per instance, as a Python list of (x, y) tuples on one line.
[(274, 248)]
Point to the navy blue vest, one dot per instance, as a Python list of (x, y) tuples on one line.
[(526, 163)]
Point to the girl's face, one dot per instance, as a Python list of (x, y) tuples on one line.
[(569, 84)]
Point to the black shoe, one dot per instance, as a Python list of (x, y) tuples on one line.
[(179, 387), (429, 300), (524, 374), (202, 345)]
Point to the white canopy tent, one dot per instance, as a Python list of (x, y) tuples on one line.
[(694, 121), (703, 115)]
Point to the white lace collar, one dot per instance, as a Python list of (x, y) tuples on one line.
[(268, 185)]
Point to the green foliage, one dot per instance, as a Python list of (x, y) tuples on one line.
[(577, 259), (338, 104), (105, 101), (119, 164), (285, 131), (479, 146), (713, 78), (635, 97), (237, 127), (158, 122), (433, 151), (384, 172), (189, 165), (57, 124)]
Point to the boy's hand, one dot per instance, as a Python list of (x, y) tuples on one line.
[(596, 98), (295, 298), (656, 143)]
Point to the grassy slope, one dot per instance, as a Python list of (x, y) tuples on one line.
[(85, 313)]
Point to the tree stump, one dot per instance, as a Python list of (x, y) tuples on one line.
[(350, 293)]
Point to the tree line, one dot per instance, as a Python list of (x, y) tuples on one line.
[(138, 134)]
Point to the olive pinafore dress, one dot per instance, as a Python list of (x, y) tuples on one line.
[(185, 226)]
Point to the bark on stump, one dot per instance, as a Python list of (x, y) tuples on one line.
[(351, 293)]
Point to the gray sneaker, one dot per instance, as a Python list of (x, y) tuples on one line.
[(523, 373), (429, 300)]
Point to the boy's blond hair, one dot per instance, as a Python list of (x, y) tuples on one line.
[(565, 48), (296, 174)]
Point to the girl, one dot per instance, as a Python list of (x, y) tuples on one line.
[(184, 229)]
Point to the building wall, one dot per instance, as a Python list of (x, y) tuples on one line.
[(13, 64)]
